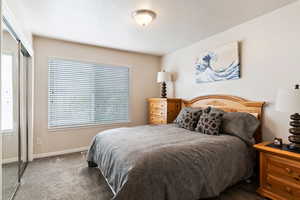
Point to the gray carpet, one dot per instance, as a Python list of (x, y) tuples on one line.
[(9, 179), (68, 178)]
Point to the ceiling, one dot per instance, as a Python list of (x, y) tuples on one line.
[(108, 23)]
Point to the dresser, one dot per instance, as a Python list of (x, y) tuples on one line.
[(163, 110), (279, 173)]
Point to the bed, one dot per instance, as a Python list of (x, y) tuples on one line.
[(166, 162)]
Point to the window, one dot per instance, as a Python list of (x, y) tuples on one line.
[(85, 94), (7, 117)]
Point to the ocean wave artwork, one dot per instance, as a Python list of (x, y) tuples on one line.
[(218, 65)]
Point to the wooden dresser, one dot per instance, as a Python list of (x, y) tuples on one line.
[(163, 110), (279, 173)]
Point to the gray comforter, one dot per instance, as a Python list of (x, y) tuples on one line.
[(169, 163)]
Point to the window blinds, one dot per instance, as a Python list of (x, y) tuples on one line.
[(85, 94)]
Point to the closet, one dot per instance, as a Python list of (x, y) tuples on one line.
[(13, 110)]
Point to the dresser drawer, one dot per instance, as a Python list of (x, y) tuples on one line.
[(158, 105), (279, 173), (284, 168), (157, 112), (157, 120), (162, 110), (282, 188)]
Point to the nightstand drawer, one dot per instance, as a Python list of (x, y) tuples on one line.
[(162, 110), (284, 168), (158, 105), (157, 120), (157, 112), (282, 188), (279, 173)]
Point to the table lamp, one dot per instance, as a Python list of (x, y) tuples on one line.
[(163, 77)]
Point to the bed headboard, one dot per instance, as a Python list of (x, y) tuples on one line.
[(230, 103)]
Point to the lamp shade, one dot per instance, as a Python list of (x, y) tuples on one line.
[(288, 101), (163, 77)]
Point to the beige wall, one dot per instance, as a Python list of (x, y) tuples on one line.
[(270, 60), (143, 70)]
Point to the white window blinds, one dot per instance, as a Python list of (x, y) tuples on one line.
[(85, 94)]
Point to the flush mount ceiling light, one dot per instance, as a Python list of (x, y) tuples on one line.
[(143, 17)]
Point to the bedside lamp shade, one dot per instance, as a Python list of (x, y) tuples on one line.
[(288, 101), (163, 77)]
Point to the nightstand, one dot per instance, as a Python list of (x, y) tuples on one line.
[(163, 110), (279, 173)]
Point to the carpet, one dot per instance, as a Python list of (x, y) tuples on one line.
[(67, 177), (9, 179)]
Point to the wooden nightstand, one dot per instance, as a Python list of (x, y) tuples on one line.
[(279, 173), (163, 110)]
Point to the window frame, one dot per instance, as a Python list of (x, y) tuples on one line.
[(14, 94), (90, 125)]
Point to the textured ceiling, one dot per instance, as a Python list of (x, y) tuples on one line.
[(108, 22)]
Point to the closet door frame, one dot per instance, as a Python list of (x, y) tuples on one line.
[(23, 109)]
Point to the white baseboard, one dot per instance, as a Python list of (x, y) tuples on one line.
[(10, 160), (57, 153)]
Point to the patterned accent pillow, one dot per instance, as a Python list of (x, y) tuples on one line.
[(188, 118), (209, 122)]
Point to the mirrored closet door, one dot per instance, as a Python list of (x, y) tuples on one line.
[(13, 126), (9, 113)]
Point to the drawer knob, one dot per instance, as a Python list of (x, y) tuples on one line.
[(288, 170), (269, 186), (288, 189)]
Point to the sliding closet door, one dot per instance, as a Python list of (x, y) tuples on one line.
[(10, 114)]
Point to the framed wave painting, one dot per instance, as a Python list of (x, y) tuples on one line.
[(220, 64)]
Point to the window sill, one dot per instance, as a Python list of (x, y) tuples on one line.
[(9, 132), (88, 126)]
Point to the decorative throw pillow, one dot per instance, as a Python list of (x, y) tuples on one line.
[(188, 118), (209, 122), (216, 110), (240, 124)]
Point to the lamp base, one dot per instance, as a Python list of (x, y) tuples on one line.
[(294, 146), (295, 124), (163, 90), (295, 131)]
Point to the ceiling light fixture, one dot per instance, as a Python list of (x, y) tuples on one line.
[(143, 17)]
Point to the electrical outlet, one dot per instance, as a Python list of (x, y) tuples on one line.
[(39, 141)]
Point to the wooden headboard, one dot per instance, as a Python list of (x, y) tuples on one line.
[(230, 104)]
